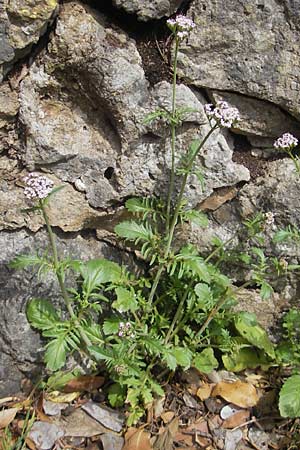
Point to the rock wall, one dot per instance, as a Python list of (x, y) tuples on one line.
[(75, 90)]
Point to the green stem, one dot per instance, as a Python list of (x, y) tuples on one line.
[(295, 160), (213, 253), (173, 137), (60, 277), (178, 314), (176, 214), (217, 307)]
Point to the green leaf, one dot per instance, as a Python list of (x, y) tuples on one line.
[(245, 358), (147, 396), (266, 290), (23, 261), (116, 395), (111, 326), (41, 314), (101, 353), (170, 360), (134, 231), (205, 361), (183, 356), (93, 332), (56, 353), (126, 300), (99, 271), (247, 326), (282, 235), (58, 380), (196, 217), (203, 293), (139, 205), (289, 397), (156, 388)]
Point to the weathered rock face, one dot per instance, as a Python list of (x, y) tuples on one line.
[(22, 22), (149, 9), (250, 47)]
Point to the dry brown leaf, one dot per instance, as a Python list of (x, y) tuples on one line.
[(167, 416), (7, 416), (137, 439), (86, 383), (204, 391), (5, 400), (165, 439), (58, 397), (30, 444), (187, 439), (236, 419), (238, 392)]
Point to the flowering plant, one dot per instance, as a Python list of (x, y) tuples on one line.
[(178, 314)]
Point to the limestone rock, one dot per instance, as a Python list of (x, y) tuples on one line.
[(83, 106), (149, 9), (258, 117), (277, 191), (22, 22), (9, 104), (246, 47)]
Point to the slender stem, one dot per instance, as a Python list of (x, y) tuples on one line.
[(60, 277), (295, 161), (178, 313), (176, 214), (173, 137), (213, 253), (217, 307)]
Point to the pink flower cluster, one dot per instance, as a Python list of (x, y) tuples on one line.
[(37, 186), (125, 330), (286, 142), (181, 26), (222, 113)]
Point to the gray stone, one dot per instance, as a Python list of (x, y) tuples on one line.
[(45, 434), (247, 47), (149, 9), (22, 22), (108, 417), (259, 117), (113, 153)]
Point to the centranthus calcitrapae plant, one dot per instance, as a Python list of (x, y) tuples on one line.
[(178, 314)]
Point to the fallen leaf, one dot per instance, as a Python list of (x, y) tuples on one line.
[(185, 439), (7, 416), (236, 419), (106, 416), (30, 444), (137, 439), (238, 392), (204, 391), (5, 400), (84, 383), (189, 401), (158, 406), (167, 416), (58, 397), (165, 440)]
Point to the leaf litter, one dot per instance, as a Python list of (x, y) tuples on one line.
[(199, 411)]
